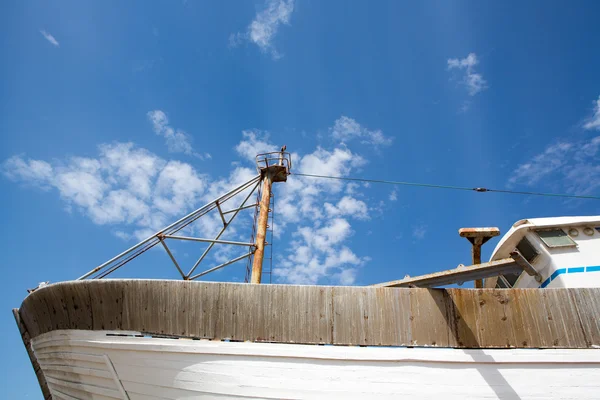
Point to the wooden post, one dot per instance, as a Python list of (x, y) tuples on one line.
[(477, 237), (476, 256), (261, 229)]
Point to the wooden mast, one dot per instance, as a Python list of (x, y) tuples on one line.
[(261, 229), (269, 174)]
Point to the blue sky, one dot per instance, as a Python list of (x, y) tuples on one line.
[(118, 118)]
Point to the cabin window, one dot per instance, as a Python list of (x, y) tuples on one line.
[(512, 278), (507, 281), (527, 250), (554, 238), (502, 282)]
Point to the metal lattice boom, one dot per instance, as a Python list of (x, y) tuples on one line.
[(168, 234)]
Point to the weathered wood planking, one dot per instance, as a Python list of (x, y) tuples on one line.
[(461, 318)]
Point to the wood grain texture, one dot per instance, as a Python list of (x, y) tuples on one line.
[(461, 318)]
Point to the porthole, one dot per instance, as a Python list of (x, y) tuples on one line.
[(573, 232), (588, 231)]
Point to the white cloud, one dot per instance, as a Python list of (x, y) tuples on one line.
[(50, 38), (348, 206), (594, 121), (346, 129), (123, 235), (177, 140), (255, 142), (336, 231), (34, 172), (419, 232), (472, 80), (317, 255), (347, 276), (264, 27), (118, 207), (303, 197), (567, 166), (177, 188), (238, 176), (465, 107), (351, 188), (393, 195), (137, 193), (338, 162), (123, 185), (551, 159), (132, 167), (314, 210), (80, 183)]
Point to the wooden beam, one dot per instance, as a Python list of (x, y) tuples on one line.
[(458, 275)]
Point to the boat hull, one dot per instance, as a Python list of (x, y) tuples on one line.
[(81, 364)]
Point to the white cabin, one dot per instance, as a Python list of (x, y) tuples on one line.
[(564, 250)]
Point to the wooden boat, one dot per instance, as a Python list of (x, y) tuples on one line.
[(533, 332)]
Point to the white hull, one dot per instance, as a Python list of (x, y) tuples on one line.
[(92, 365)]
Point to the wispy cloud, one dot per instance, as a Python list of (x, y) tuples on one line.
[(594, 121), (50, 38), (124, 186), (177, 140), (255, 142), (346, 129), (393, 195), (464, 107), (264, 27), (566, 166), (472, 80), (419, 232), (348, 206)]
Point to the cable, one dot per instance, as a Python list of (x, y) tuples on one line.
[(477, 189)]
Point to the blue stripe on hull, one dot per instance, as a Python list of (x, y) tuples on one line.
[(574, 270)]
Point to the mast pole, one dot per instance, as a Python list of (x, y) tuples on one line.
[(273, 167), (261, 229)]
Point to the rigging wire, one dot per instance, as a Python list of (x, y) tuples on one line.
[(428, 185)]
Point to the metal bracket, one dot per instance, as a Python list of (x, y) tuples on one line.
[(523, 263)]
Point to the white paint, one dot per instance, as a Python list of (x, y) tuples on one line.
[(549, 260), (152, 368), (115, 377)]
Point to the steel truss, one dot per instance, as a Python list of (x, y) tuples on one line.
[(168, 234)]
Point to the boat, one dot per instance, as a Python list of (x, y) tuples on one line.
[(565, 250), (530, 329)]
